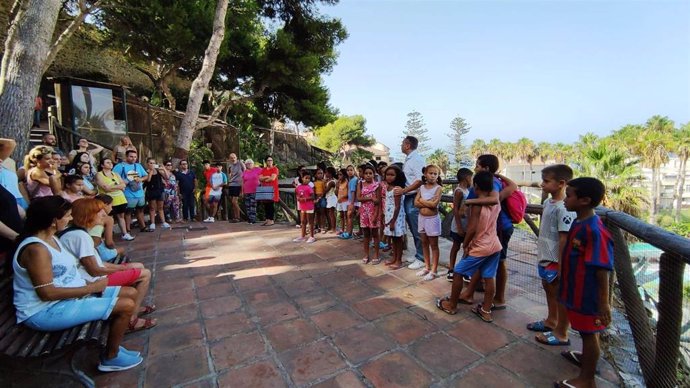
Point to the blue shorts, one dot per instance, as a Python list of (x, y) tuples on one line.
[(72, 312), (106, 254), (22, 202), (487, 265), (320, 204), (136, 203), (548, 271), (213, 198)]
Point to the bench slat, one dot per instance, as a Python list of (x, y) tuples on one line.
[(34, 341)]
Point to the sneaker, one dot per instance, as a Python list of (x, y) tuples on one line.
[(416, 265), (127, 237), (208, 220), (382, 245), (430, 276), (422, 272), (152, 227), (345, 236), (130, 352), (166, 225), (449, 276), (122, 361), (311, 240), (298, 239), (298, 226)]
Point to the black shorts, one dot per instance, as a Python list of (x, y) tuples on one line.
[(456, 237), (119, 209), (155, 196), (234, 191)]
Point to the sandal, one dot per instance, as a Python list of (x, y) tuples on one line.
[(574, 358), (547, 338), (394, 266), (146, 230), (147, 309), (376, 261), (539, 326), (562, 384), (479, 311), (148, 323), (365, 260), (439, 305)]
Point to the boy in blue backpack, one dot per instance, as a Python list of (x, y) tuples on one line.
[(586, 263)]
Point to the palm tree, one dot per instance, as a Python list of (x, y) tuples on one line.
[(440, 158), (478, 148), (681, 146), (653, 149), (527, 152), (546, 151), (561, 152), (498, 148), (611, 164)]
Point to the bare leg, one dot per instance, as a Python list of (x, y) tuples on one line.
[(128, 221), (426, 251), (303, 223), (455, 292), (367, 238), (121, 222), (152, 212), (119, 321), (501, 281), (589, 359), (159, 209), (310, 218), (433, 245), (375, 236), (453, 255)]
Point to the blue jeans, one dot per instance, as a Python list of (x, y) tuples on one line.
[(188, 203), (412, 217), (71, 312)]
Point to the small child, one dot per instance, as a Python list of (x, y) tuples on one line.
[(341, 192), (394, 217), (331, 199), (553, 233), (427, 200), (305, 205), (482, 250), (381, 175), (102, 234), (586, 263), (369, 195), (74, 184), (459, 224), (320, 201), (351, 193)]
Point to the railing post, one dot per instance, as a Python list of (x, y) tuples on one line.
[(671, 269), (634, 308)]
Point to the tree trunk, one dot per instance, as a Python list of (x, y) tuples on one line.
[(680, 186), (653, 203), (26, 49), (73, 26), (200, 84)]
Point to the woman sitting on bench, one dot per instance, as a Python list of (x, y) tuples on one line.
[(49, 293)]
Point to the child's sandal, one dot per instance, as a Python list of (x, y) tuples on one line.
[(365, 260), (480, 312)]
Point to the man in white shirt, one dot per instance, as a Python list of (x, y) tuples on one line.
[(412, 167)]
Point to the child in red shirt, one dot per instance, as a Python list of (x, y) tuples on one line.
[(305, 204)]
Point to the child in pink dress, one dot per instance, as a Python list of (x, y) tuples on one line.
[(305, 205), (369, 194)]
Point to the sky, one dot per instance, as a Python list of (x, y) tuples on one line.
[(546, 70)]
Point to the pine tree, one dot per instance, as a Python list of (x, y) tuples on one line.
[(459, 128), (416, 127)]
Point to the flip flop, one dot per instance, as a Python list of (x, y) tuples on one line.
[(538, 326), (551, 340), (478, 310), (563, 383), (573, 357), (376, 261), (439, 305), (393, 267), (365, 260), (499, 307), (463, 301), (148, 323), (147, 309)]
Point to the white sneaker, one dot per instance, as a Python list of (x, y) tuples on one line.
[(208, 219), (423, 272), (416, 265), (166, 225), (430, 276), (298, 239), (127, 237), (152, 227), (311, 240)]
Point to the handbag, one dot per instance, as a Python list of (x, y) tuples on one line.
[(264, 193)]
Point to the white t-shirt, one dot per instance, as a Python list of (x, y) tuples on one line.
[(216, 181), (414, 163), (554, 220), (80, 243)]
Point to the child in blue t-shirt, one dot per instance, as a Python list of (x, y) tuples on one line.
[(586, 263)]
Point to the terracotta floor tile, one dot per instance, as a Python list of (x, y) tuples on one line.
[(344, 380), (220, 306), (171, 338), (252, 283), (316, 301), (361, 343), (235, 350), (173, 299), (442, 354), (376, 307), (264, 296), (353, 291), (540, 374), (396, 370), (299, 287), (335, 320), (405, 327), (227, 325), (275, 312), (176, 368), (262, 374), (177, 315), (311, 362), (289, 334), (483, 337), (487, 374), (385, 283)]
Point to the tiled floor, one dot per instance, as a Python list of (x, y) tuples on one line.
[(243, 306)]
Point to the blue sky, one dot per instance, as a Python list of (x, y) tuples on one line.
[(547, 70)]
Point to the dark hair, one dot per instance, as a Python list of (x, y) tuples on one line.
[(77, 160), (343, 172), (560, 172), (400, 179), (100, 165), (70, 179), (130, 151), (105, 198), (414, 142), (205, 162), (368, 166), (305, 173), (484, 181), (587, 187), (332, 171), (183, 160), (489, 161), (381, 164), (463, 173), (41, 213), (218, 165)]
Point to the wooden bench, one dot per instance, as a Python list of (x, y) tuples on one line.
[(25, 349)]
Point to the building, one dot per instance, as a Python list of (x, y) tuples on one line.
[(669, 175), (381, 152)]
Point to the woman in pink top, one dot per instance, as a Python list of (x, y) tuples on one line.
[(38, 178), (250, 181)]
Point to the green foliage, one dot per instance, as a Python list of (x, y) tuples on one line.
[(343, 136), (252, 145), (416, 127), (459, 128), (198, 153), (440, 158)]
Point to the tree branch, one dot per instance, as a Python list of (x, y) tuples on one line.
[(225, 105)]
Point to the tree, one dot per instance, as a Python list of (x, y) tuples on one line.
[(681, 146), (29, 50), (478, 148), (440, 158), (200, 84), (546, 151), (653, 149), (416, 127), (459, 128), (527, 152), (344, 137)]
